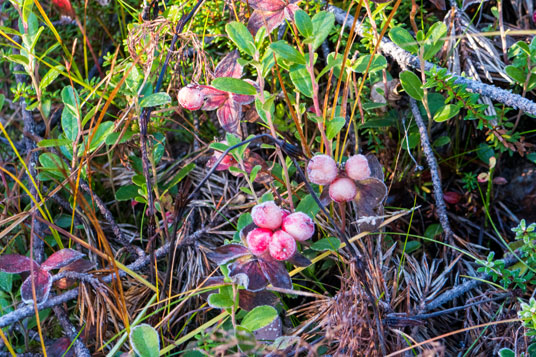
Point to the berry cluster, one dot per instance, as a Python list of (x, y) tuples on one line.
[(278, 230), (323, 170)]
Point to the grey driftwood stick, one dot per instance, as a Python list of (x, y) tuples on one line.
[(389, 48), (434, 170)]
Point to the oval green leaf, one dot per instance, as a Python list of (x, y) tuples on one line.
[(447, 112), (259, 317), (412, 85), (145, 341), (234, 85)]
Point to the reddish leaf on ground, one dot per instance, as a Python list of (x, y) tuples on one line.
[(248, 300), (61, 258), (79, 266), (452, 197), (59, 348), (229, 66), (276, 273), (299, 260), (16, 264), (248, 273), (226, 253), (271, 331), (43, 282)]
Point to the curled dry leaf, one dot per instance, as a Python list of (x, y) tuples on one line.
[(79, 266), (43, 282)]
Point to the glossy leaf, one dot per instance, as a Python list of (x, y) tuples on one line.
[(322, 24), (446, 112), (403, 39), (287, 52), (303, 23), (234, 85), (302, 80), (61, 258), (242, 38), (226, 253), (155, 100), (330, 243), (378, 63), (412, 85), (43, 282), (16, 264)]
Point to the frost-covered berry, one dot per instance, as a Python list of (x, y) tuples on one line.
[(191, 97), (357, 167), (285, 213), (282, 246), (342, 189), (267, 215), (299, 225), (322, 169), (258, 240)]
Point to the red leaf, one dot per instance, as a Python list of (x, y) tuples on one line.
[(43, 282), (59, 347), (452, 197), (271, 20), (276, 273), (499, 180), (248, 300), (229, 115), (61, 258), (299, 260), (267, 5), (214, 98), (271, 331), (80, 266), (15, 263), (248, 273), (229, 66), (226, 253)]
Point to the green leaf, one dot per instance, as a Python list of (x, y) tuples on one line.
[(308, 205), (433, 230), (234, 85), (485, 152), (2, 100), (241, 36), (47, 143), (259, 317), (287, 52), (49, 77), (378, 63), (506, 352), (403, 38), (516, 74), (447, 112), (155, 100), (70, 113), (112, 137), (301, 79), (51, 164), (334, 126), (6, 281), (412, 85), (19, 59), (412, 246), (220, 301), (441, 141), (322, 24), (104, 129), (145, 341), (330, 243), (126, 193), (303, 23), (179, 176), (434, 40), (254, 172)]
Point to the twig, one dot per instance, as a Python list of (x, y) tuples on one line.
[(434, 170), (406, 58), (80, 349)]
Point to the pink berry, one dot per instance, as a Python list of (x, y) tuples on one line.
[(258, 240), (299, 225), (322, 169), (342, 189), (267, 215), (285, 213), (191, 97), (357, 167), (282, 246)]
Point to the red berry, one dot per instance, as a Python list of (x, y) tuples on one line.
[(299, 225), (342, 189), (191, 97), (258, 240), (322, 169), (282, 246), (357, 167), (267, 215)]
